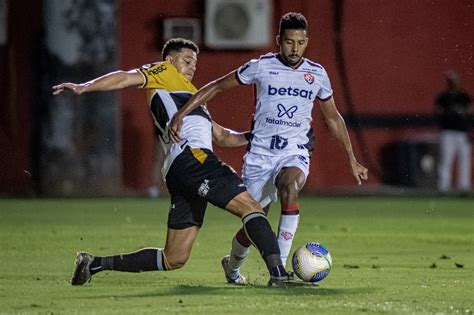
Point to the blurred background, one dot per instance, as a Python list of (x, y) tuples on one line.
[(387, 61)]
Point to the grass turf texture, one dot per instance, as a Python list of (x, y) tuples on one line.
[(391, 256)]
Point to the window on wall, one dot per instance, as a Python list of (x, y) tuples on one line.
[(3, 22)]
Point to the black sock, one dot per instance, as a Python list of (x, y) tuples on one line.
[(96, 265), (260, 233), (141, 260)]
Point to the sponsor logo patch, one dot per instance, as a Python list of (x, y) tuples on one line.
[(155, 71), (204, 188), (290, 91), (282, 122), (283, 111)]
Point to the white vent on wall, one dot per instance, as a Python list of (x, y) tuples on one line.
[(188, 28), (238, 24)]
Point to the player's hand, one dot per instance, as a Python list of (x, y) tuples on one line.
[(73, 87), (359, 172), (174, 128)]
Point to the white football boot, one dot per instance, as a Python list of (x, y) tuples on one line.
[(239, 280)]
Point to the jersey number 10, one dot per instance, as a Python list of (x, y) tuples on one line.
[(278, 142)]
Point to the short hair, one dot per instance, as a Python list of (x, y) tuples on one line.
[(176, 44), (292, 21)]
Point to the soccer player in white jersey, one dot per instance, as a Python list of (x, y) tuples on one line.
[(277, 161), (194, 174)]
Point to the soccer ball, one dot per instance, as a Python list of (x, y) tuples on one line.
[(311, 262)]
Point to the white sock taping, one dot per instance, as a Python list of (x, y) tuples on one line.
[(159, 259)]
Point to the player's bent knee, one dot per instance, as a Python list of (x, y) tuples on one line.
[(176, 263), (243, 204), (250, 203), (176, 266), (252, 206), (288, 193)]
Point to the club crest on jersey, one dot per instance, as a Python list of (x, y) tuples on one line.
[(309, 78)]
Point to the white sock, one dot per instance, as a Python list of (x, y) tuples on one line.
[(238, 255), (286, 233)]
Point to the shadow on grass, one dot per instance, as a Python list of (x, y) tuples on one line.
[(181, 290)]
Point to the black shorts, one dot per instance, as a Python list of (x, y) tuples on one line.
[(196, 177)]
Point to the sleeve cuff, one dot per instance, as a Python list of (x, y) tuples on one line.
[(325, 99), (248, 136), (238, 78), (145, 79)]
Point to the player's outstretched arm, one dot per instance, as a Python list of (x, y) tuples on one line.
[(204, 95), (111, 81), (225, 137), (338, 128)]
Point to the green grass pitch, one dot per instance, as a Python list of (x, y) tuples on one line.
[(391, 256)]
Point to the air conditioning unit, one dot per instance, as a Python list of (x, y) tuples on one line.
[(237, 24), (188, 28)]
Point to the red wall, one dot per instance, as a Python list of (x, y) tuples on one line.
[(401, 50), (395, 51), (17, 61)]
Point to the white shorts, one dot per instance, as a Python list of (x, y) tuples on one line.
[(260, 171)]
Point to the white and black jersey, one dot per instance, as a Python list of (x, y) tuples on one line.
[(284, 101), (167, 92)]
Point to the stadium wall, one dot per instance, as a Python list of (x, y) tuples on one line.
[(19, 60), (394, 55)]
